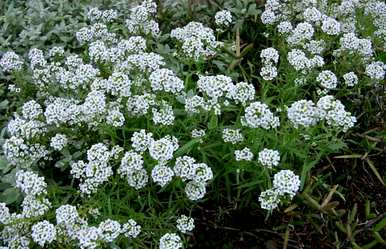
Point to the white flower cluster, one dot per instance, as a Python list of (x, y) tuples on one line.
[(330, 26), (232, 136), (244, 154), (170, 241), (298, 59), (376, 70), (105, 16), (303, 113), (285, 185), (214, 86), (327, 79), (75, 228), (197, 176), (163, 115), (223, 18), (59, 141), (141, 19), (306, 113), (141, 140), (303, 32), (110, 230), (269, 158), (94, 172), (257, 115), (25, 128), (18, 151), (242, 93), (198, 133), (10, 61), (270, 57), (30, 183), (350, 43), (43, 233), (285, 182), (165, 80), (162, 174), (197, 40), (162, 149), (185, 224), (350, 79), (34, 205), (131, 229), (132, 167), (97, 31), (333, 111)]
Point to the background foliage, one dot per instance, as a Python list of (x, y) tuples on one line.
[(342, 204)]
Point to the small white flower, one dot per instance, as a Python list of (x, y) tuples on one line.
[(269, 158), (30, 183), (185, 224), (131, 229), (66, 214), (110, 230), (269, 199), (286, 182), (376, 70), (268, 72), (162, 174), (141, 140), (233, 136), (170, 241), (327, 79), (350, 79), (11, 62), (223, 18), (198, 133), (43, 233), (59, 141), (163, 149), (244, 154), (303, 113), (195, 190), (257, 114), (269, 55), (331, 26)]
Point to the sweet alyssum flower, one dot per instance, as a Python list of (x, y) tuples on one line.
[(185, 224), (170, 241), (233, 136), (43, 233), (244, 154), (269, 158), (10, 61), (257, 115), (223, 18)]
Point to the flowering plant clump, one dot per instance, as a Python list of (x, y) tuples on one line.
[(118, 142)]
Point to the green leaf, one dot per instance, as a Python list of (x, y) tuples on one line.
[(380, 225), (3, 164), (186, 147), (213, 122), (306, 168), (10, 195), (4, 104)]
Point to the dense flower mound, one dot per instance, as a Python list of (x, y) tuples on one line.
[(115, 144)]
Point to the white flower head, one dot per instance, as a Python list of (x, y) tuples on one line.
[(170, 241), (185, 224), (43, 233), (269, 158)]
